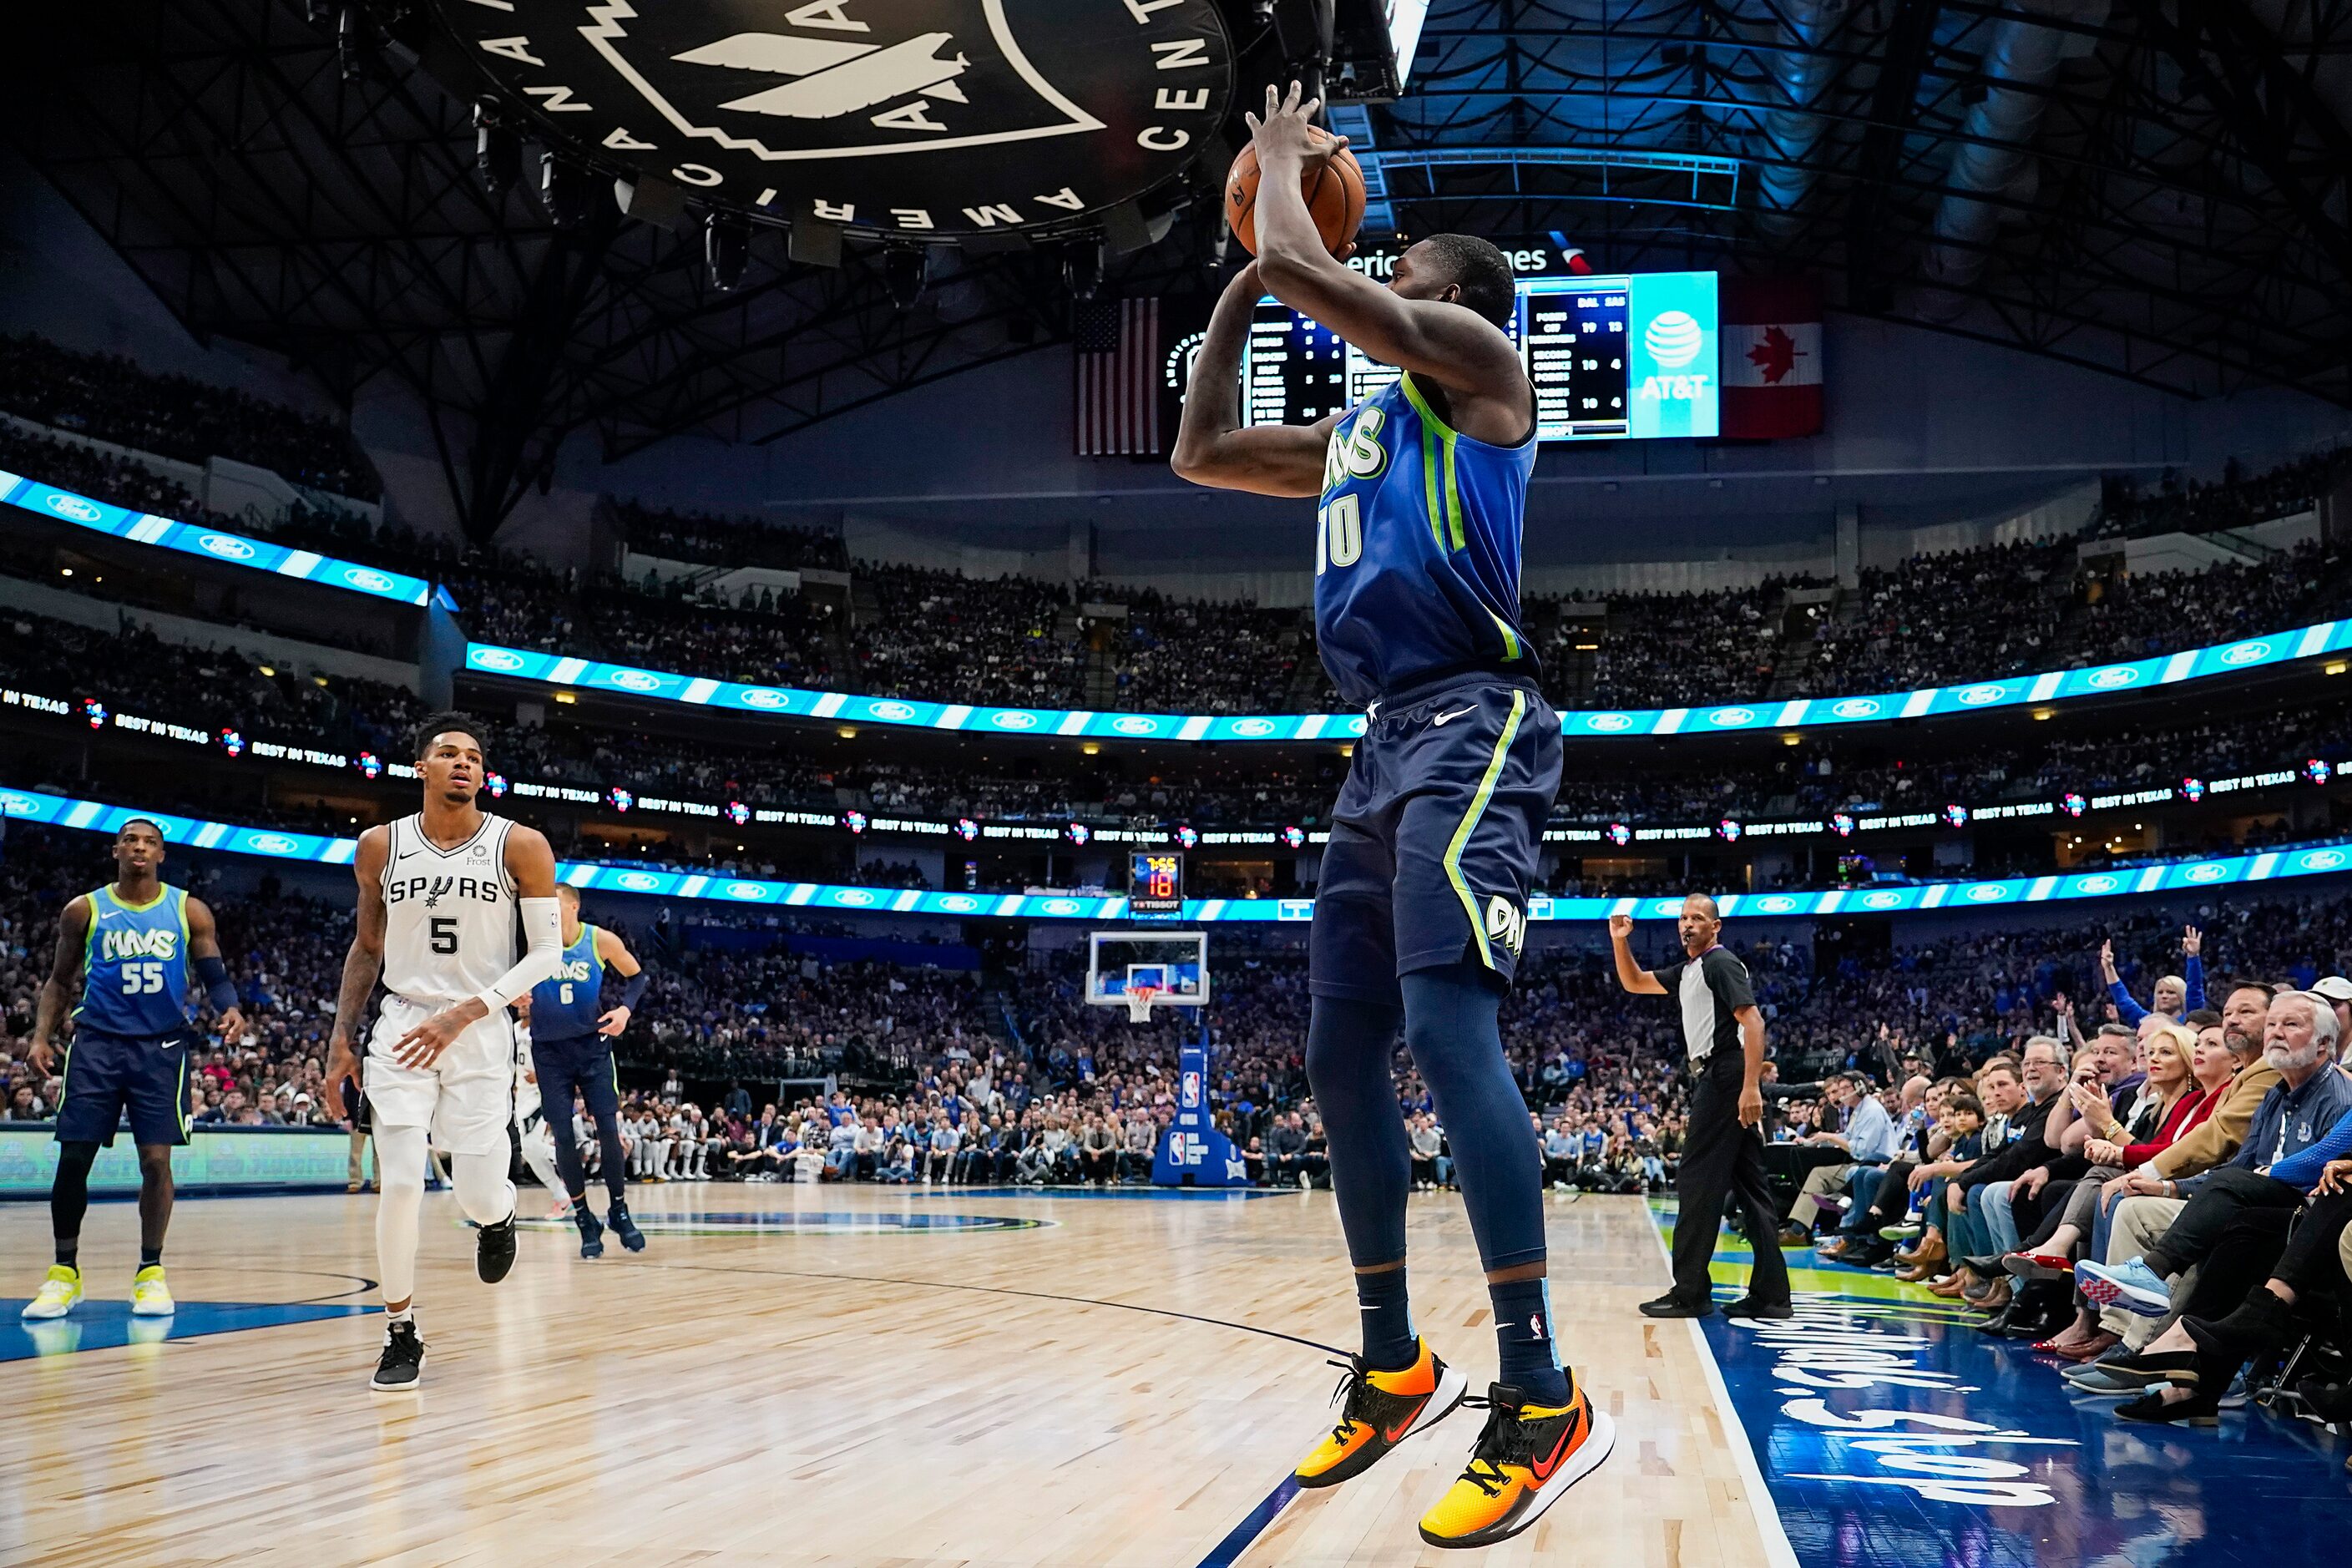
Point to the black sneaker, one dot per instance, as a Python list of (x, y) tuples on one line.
[(1750, 1306), (591, 1232), (494, 1250), (618, 1219), (1672, 1306), (398, 1369)]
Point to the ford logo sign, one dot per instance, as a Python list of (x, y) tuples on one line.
[(2095, 885), (76, 508), (766, 696), (366, 577), (1609, 723), (1856, 707), (1987, 893), (2323, 860), (957, 904), (2111, 677), (1669, 909), (635, 679), (1775, 905), (892, 713), (1059, 907), (16, 805), (271, 843), (856, 897), (226, 548), (1134, 725), (638, 881), (1357, 725), (1882, 901), (746, 890), (496, 658), (1978, 695), (2247, 653), (2207, 872), (1253, 727), (1012, 718), (1727, 718)]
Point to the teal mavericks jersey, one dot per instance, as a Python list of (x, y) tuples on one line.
[(1417, 549), (567, 1006), (134, 972)]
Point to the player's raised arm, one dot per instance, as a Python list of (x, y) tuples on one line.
[(1630, 974), (361, 965), (65, 968), (616, 956), (212, 971), (1456, 347), (1213, 447)]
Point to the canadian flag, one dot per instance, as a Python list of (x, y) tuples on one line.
[(1771, 357)]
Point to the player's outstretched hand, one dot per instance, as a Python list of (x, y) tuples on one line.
[(1287, 130), (422, 1046), (1620, 927)]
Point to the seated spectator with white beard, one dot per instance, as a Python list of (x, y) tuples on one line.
[(2234, 1226)]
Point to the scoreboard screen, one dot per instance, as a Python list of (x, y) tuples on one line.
[(1631, 356), (1155, 883)]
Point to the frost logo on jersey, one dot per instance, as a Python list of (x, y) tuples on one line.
[(496, 658), (74, 507), (1505, 922), (1133, 724), (226, 548), (150, 944)]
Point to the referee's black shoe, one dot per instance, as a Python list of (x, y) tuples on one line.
[(494, 1250), (1672, 1306), (1750, 1306)]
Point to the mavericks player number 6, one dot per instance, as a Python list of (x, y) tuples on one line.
[(439, 893), (1421, 908)]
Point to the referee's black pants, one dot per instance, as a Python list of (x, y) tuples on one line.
[(1723, 1164)]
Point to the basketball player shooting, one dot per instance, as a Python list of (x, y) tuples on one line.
[(1420, 912), (438, 896)]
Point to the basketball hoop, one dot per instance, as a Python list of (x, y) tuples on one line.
[(1138, 1003)]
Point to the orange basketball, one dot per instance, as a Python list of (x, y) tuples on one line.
[(1334, 192)]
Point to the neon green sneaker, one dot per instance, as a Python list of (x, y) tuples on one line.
[(58, 1293), (150, 1296)]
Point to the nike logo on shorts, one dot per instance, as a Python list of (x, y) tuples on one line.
[(1449, 718)]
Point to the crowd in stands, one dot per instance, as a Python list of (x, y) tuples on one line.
[(707, 539), (1184, 655), (110, 398), (2238, 499)]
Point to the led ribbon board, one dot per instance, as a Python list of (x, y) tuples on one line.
[(1804, 712), (212, 543), (2320, 860)]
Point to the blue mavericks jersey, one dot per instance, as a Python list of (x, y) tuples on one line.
[(567, 1007), (1417, 549), (134, 969)]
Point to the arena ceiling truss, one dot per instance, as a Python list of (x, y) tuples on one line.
[(2157, 188)]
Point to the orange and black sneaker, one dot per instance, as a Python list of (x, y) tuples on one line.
[(1527, 1455), (1378, 1410)]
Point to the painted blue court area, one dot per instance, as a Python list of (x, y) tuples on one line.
[(108, 1325), (1891, 1434), (1129, 1194)]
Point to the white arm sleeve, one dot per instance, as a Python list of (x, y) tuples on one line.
[(542, 929)]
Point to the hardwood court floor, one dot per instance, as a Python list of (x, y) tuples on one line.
[(1113, 1387)]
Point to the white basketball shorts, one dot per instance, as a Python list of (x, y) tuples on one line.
[(465, 1098)]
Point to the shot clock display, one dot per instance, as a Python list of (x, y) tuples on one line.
[(1155, 884)]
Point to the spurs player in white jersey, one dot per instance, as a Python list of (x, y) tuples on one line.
[(439, 894)]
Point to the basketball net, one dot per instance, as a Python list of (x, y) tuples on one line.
[(1138, 1003)]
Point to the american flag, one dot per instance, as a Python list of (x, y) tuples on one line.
[(1118, 362)]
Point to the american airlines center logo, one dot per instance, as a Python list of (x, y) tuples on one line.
[(226, 548), (76, 508), (2114, 675), (1132, 725), (2246, 653), (909, 116), (1250, 729), (1012, 718), (638, 881), (892, 713), (1858, 708), (496, 658), (271, 843), (635, 679), (765, 697)]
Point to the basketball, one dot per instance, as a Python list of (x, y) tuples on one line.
[(1334, 192)]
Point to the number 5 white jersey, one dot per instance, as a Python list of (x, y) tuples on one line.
[(450, 925)]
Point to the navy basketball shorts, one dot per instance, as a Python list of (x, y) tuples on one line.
[(582, 1065), (1435, 838), (107, 1073)]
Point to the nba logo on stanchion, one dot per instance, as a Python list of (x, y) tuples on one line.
[(1191, 1093)]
